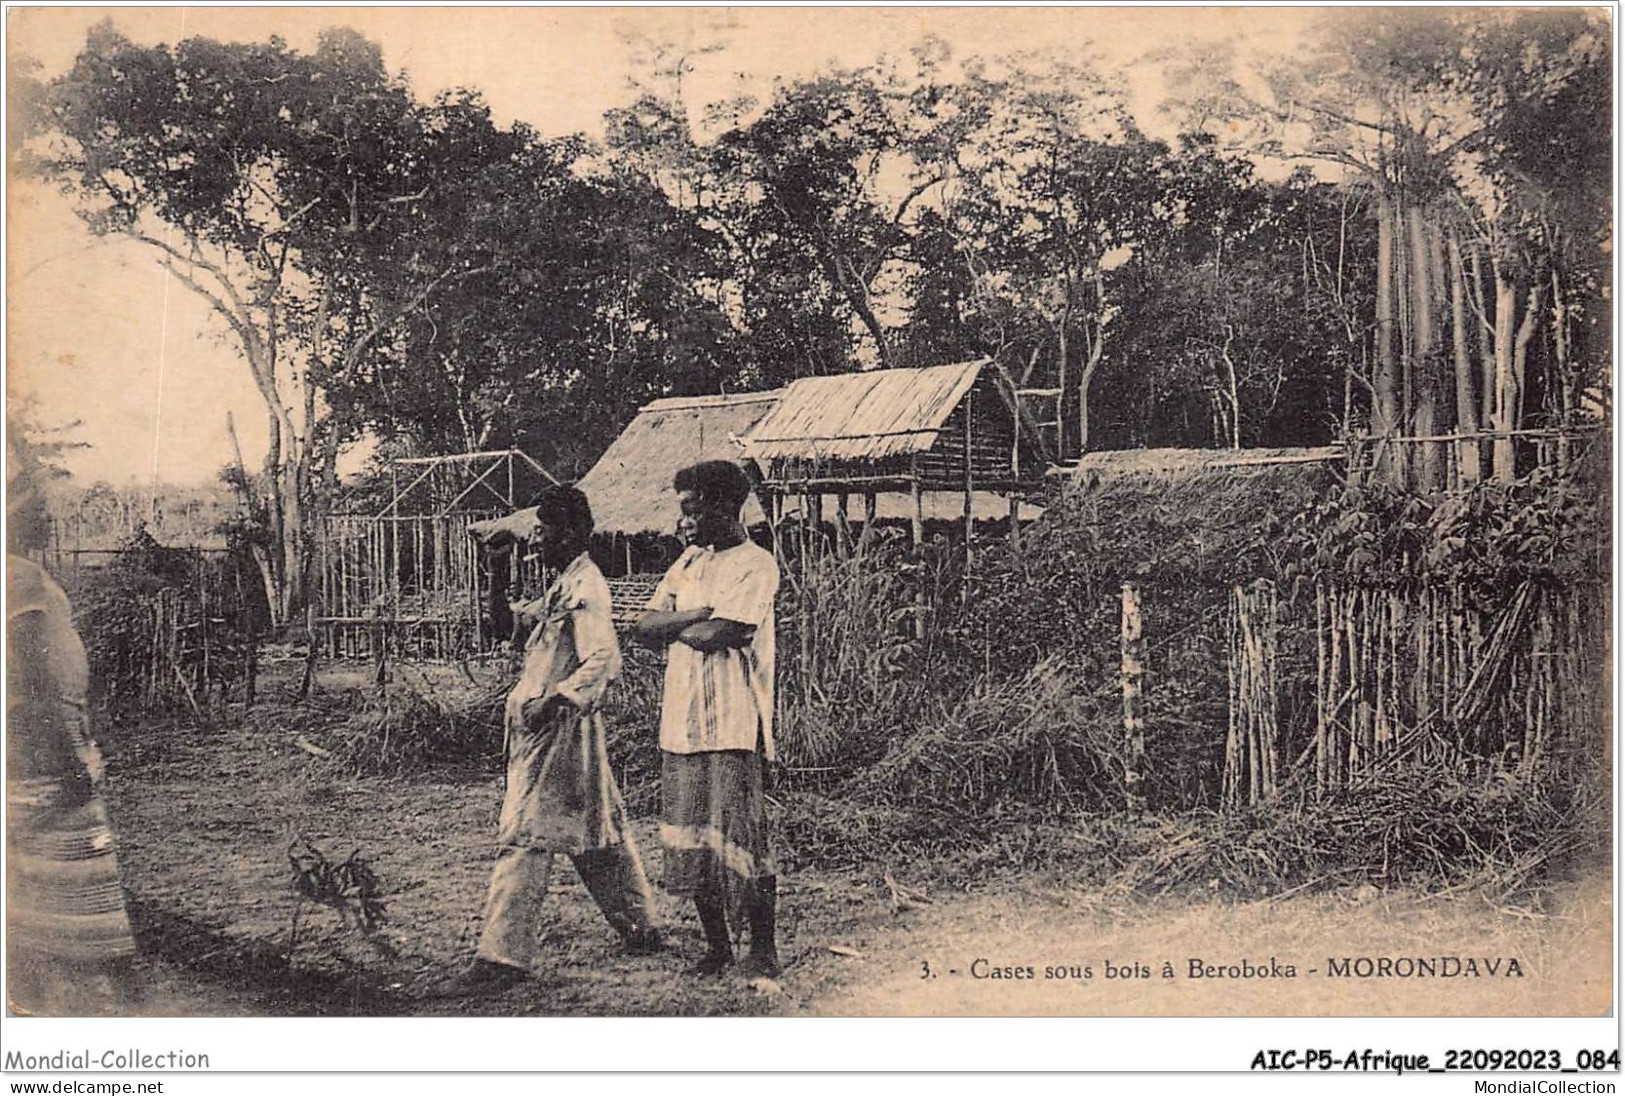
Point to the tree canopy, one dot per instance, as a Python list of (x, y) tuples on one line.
[(411, 271)]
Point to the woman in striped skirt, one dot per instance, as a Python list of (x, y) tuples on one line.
[(713, 614), (70, 945)]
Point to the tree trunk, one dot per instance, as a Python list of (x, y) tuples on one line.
[(1484, 322), (1232, 391), (1520, 351), (275, 516), (1097, 350), (856, 291), (1423, 354), (1506, 303), (1084, 382), (1466, 398), (295, 547), (1565, 377), (1384, 406), (1061, 381), (262, 559)]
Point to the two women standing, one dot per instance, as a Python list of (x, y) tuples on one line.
[(713, 615)]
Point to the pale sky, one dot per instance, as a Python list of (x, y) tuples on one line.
[(98, 334)]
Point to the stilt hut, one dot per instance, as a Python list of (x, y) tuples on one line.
[(916, 445), (934, 430)]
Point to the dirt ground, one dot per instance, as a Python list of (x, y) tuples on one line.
[(205, 816)]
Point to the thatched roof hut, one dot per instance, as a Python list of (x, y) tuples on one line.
[(630, 486), (938, 428), (901, 438)]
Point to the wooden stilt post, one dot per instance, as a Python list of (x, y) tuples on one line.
[(310, 653), (970, 516), (775, 516), (916, 509), (917, 528), (1133, 700), (806, 526)]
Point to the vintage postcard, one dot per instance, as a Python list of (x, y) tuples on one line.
[(851, 512)]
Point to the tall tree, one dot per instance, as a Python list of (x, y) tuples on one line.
[(1051, 188), (1236, 313), (279, 187), (1431, 110)]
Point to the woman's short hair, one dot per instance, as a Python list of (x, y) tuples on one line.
[(719, 483), (566, 506)]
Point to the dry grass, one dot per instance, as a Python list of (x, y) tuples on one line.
[(415, 725), (1428, 832), (846, 649), (1030, 739)]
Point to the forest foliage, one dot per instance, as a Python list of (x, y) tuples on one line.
[(1402, 229)]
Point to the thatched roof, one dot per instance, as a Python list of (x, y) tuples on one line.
[(1175, 462), (1190, 513), (497, 532), (630, 486), (862, 416)]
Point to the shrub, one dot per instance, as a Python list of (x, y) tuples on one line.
[(411, 729)]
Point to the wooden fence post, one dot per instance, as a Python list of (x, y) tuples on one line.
[(1252, 742), (917, 535), (310, 653), (1133, 700), (380, 657), (1322, 689)]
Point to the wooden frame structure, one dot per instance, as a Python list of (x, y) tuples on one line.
[(410, 576)]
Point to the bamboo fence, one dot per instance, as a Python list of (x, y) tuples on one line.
[(1424, 676), (1414, 677), (193, 657), (1252, 742), (413, 582)]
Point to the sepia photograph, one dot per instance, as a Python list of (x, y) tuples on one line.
[(810, 512)]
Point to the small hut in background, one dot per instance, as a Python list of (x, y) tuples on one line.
[(635, 509), (633, 505), (940, 444)]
